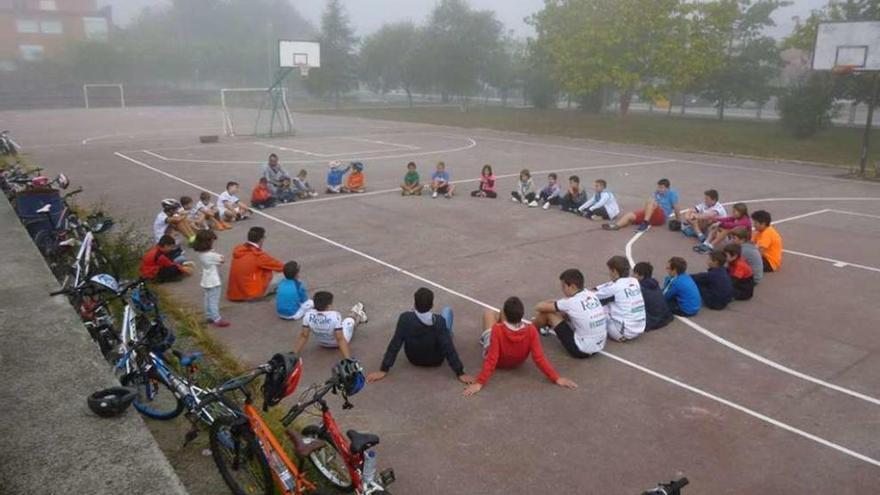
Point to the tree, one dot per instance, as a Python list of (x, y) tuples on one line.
[(593, 44), (389, 58), (808, 107), (751, 59), (505, 68), (338, 71)]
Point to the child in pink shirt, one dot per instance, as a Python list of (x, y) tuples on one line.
[(487, 184), (724, 226)]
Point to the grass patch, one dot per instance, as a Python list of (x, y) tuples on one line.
[(837, 146)]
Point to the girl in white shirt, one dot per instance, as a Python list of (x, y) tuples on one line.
[(210, 261)]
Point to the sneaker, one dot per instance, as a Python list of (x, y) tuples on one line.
[(701, 238), (533, 204), (358, 311), (547, 332), (546, 206), (313, 194), (703, 248), (514, 199), (221, 323), (596, 217), (610, 226), (643, 227), (447, 196), (434, 195)]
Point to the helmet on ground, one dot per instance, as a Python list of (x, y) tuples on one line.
[(358, 166), (105, 281), (674, 225), (170, 204), (282, 379), (349, 375), (112, 401)]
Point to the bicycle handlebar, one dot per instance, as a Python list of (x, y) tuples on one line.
[(299, 407), (73, 193)]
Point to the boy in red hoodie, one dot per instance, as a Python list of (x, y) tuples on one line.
[(507, 343)]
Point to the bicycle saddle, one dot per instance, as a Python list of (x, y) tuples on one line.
[(188, 358), (361, 441), (45, 209)]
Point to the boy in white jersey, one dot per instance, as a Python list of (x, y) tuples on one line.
[(623, 301), (702, 215), (330, 329), (578, 319), (603, 205), (229, 205)]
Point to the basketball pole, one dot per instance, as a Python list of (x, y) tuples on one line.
[(866, 139)]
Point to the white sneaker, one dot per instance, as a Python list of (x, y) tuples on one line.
[(547, 331), (313, 194), (434, 195), (533, 204), (546, 205), (358, 311), (596, 217), (514, 199)]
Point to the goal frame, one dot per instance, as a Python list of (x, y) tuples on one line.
[(280, 96), (121, 88)]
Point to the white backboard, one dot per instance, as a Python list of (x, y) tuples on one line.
[(299, 53), (847, 43)]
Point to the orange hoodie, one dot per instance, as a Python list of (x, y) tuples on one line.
[(250, 273), (509, 348)]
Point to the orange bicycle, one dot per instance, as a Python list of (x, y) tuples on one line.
[(249, 456)]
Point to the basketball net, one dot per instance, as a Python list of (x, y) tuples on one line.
[(303, 70)]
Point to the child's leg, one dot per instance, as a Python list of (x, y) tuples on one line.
[(626, 219), (212, 304), (476, 194), (348, 327), (515, 195), (531, 197), (446, 313), (450, 189), (491, 194)]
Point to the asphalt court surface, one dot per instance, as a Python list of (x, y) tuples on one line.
[(774, 395)]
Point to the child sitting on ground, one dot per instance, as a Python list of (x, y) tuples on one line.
[(356, 181), (487, 184), (210, 261), (680, 290), (301, 187), (525, 190), (208, 210), (657, 314), (284, 193), (715, 286), (551, 195), (261, 196), (698, 219), (158, 266), (575, 196), (577, 320), (743, 238), (229, 205), (768, 240), (440, 182), (603, 205), (426, 339), (335, 176), (411, 185), (721, 229), (292, 300), (194, 216), (622, 298), (507, 341), (740, 273), (330, 329)]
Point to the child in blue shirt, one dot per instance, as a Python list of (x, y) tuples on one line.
[(335, 176), (440, 182), (680, 290), (292, 300)]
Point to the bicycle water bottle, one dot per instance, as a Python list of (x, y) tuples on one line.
[(369, 472), (284, 474)]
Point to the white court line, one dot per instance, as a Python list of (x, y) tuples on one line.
[(856, 214), (690, 388), (472, 144), (282, 148), (332, 155), (386, 143), (837, 263), (337, 197), (758, 357), (691, 162)]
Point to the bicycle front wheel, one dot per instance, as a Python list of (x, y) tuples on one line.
[(239, 457), (154, 399), (328, 460)]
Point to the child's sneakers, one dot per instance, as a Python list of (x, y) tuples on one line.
[(514, 199), (358, 311), (220, 323), (703, 248), (546, 205), (643, 227), (434, 194), (313, 194), (533, 204), (610, 226), (596, 217), (547, 332)]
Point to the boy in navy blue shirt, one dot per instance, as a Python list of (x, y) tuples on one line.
[(292, 300), (656, 309), (682, 294), (715, 285)]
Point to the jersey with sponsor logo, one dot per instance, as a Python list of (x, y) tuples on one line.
[(587, 319), (628, 306), (323, 325)]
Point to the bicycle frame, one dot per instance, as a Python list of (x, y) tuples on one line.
[(191, 394), (275, 455), (83, 260)]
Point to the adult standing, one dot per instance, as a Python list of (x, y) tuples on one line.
[(254, 274)]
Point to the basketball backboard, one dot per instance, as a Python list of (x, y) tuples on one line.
[(852, 44), (303, 55)]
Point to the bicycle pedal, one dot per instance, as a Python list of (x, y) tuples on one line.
[(387, 477)]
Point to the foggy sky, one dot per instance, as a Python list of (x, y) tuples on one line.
[(368, 15)]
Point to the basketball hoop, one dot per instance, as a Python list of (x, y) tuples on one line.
[(303, 70), (844, 70)]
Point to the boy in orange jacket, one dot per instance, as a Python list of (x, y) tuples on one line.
[(253, 274)]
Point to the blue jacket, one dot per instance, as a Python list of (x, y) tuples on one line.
[(291, 294), (684, 292), (334, 176), (656, 309), (715, 287)]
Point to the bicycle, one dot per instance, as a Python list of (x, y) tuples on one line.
[(347, 463), (57, 237)]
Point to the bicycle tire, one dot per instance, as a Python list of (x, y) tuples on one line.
[(328, 461), (163, 405), (47, 242), (229, 433)]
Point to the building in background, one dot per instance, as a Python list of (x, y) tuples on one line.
[(32, 30)]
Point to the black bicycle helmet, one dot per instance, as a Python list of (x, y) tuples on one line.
[(159, 338), (112, 401), (282, 378), (349, 375)]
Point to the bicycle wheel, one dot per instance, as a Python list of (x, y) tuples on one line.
[(47, 242), (328, 460), (239, 457), (154, 398)]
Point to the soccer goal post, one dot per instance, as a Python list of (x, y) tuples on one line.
[(104, 95), (256, 112)]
